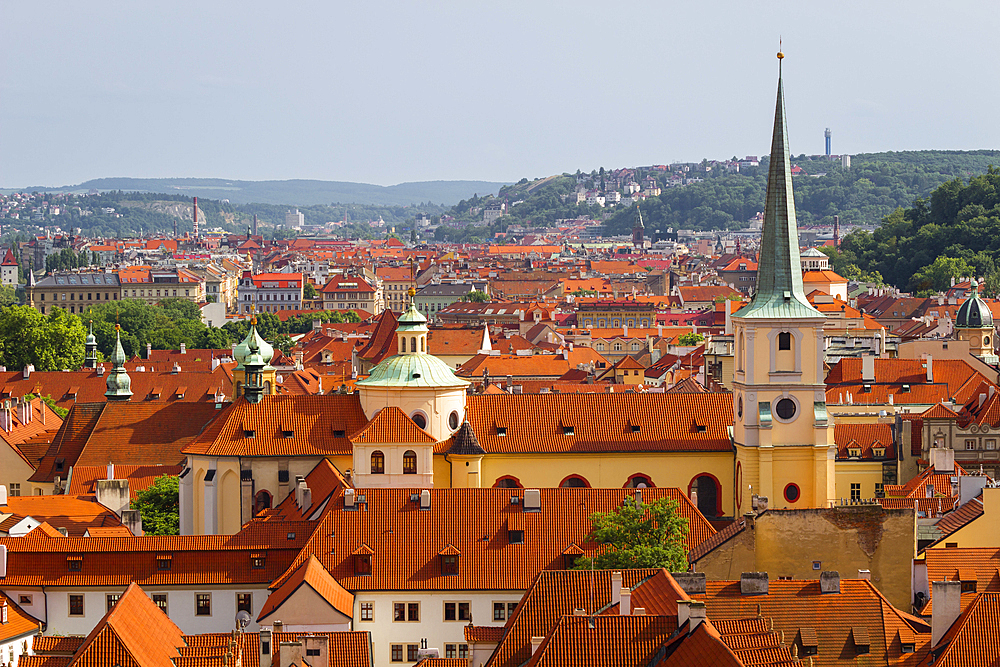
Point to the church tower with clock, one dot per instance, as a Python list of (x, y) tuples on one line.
[(783, 436)]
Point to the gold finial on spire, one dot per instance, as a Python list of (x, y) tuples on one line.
[(780, 54)]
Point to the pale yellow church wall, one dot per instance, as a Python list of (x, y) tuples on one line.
[(865, 473), (435, 404), (612, 470)]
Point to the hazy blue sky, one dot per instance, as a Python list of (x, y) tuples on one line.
[(385, 92)]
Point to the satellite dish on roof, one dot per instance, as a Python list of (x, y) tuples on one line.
[(242, 619)]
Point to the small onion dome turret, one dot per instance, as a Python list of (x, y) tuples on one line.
[(974, 313), (253, 344)]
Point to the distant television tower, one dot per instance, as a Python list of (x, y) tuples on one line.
[(836, 231), (827, 135), (196, 219)]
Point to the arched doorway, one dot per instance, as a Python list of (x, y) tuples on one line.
[(262, 501)]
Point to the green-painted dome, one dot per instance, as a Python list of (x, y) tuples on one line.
[(253, 343), (412, 320), (974, 313), (413, 371)]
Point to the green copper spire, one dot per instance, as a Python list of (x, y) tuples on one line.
[(119, 383), (779, 269)]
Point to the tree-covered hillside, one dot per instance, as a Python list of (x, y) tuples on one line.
[(875, 185), (954, 232)]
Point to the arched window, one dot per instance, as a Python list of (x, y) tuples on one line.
[(267, 387), (378, 463), (709, 494), (409, 462), (239, 389), (639, 481), (507, 482), (261, 502), (740, 353), (421, 343), (575, 482), (413, 344), (419, 419)]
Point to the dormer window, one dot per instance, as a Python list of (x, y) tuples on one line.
[(449, 564), (249, 433), (75, 563), (878, 452), (363, 564), (501, 431), (257, 561), (60, 464), (287, 433), (163, 562), (854, 452), (567, 429)]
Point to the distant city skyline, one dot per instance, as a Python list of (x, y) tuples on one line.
[(388, 92)]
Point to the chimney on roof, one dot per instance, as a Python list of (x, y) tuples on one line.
[(867, 369), (28, 369), (946, 607), (265, 647), (183, 348), (532, 500), (943, 459), (111, 470), (625, 602), (290, 653), (697, 615), (579, 612), (425, 499), (132, 519), (537, 641), (683, 612), (753, 583), (829, 582), (3, 496), (616, 587), (865, 575), (348, 499), (303, 494), (279, 626), (982, 399), (318, 645), (930, 368), (638, 497)]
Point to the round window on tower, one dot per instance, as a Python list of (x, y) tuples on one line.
[(785, 409), (792, 493), (986, 340), (453, 420), (419, 419)]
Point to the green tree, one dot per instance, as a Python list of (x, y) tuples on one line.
[(52, 342), (937, 275), (690, 339), (8, 295), (308, 291), (159, 505), (639, 535), (49, 401), (476, 296)]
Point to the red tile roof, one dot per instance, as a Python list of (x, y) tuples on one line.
[(602, 422), (864, 437), (972, 639), (406, 540), (75, 513), (18, 623), (95, 434), (796, 606), (319, 426), (609, 641), (119, 561)]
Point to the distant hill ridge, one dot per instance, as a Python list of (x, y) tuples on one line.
[(292, 192)]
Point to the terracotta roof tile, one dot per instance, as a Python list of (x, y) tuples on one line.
[(406, 540), (119, 561), (95, 434), (319, 426), (75, 513), (602, 422), (794, 605), (610, 641), (53, 644), (972, 639), (19, 622)]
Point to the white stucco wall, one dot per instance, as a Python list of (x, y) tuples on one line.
[(432, 625)]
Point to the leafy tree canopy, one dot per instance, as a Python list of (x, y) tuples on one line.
[(52, 342), (690, 339), (159, 506), (644, 535)]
